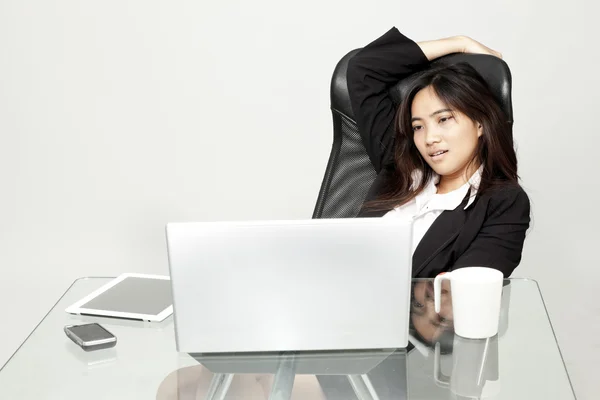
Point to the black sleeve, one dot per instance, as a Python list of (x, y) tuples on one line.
[(371, 73), (499, 243)]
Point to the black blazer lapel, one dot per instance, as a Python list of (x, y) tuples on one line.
[(442, 232)]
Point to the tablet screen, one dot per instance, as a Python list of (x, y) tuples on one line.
[(134, 295)]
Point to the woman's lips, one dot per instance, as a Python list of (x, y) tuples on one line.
[(438, 155)]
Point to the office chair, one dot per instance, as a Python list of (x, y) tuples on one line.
[(349, 173)]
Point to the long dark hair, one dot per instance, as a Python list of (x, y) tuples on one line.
[(461, 88)]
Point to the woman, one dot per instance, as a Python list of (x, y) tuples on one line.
[(444, 157)]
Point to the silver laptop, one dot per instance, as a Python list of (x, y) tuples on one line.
[(298, 285)]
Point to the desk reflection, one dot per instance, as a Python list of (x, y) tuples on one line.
[(471, 366)]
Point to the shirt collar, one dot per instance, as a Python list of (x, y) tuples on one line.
[(474, 182), (430, 189)]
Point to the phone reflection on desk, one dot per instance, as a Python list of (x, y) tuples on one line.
[(91, 359)]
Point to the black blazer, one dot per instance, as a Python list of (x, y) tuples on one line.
[(491, 231)]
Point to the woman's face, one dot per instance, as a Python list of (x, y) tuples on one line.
[(426, 321), (447, 139)]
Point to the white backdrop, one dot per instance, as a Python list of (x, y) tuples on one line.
[(118, 116)]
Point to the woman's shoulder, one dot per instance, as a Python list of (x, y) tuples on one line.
[(509, 196)]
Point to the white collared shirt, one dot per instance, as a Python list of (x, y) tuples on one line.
[(428, 204)]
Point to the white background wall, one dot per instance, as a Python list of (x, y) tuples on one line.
[(118, 116)]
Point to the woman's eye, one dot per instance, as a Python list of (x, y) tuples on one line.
[(416, 127), (416, 304), (444, 119)]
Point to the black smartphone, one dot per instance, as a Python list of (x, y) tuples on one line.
[(91, 336)]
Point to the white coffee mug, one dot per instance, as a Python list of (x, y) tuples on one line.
[(476, 298)]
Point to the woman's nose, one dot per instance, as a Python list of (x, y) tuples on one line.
[(432, 136)]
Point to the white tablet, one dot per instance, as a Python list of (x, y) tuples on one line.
[(131, 296)]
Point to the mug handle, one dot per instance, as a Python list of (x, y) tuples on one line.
[(437, 289)]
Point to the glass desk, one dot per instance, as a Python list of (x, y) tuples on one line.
[(522, 362)]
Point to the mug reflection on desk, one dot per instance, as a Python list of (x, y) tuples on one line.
[(475, 368)]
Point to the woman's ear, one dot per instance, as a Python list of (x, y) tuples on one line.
[(479, 129)]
